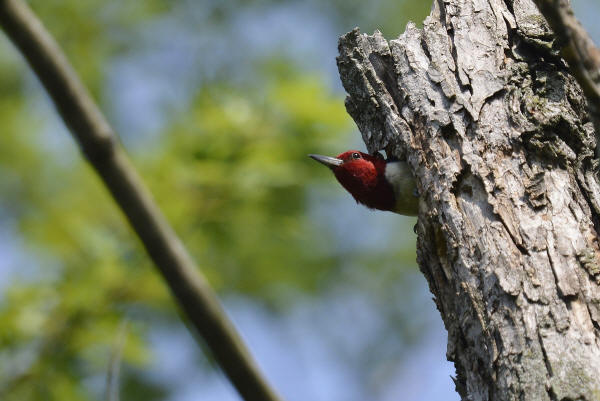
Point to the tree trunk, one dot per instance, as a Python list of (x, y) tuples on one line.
[(496, 131)]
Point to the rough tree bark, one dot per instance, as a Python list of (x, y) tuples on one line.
[(496, 131)]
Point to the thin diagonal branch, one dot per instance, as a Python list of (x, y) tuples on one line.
[(100, 146), (578, 50)]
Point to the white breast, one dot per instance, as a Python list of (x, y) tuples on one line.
[(399, 176)]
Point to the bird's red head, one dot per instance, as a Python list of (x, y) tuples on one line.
[(363, 175)]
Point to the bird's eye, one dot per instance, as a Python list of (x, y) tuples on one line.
[(356, 155)]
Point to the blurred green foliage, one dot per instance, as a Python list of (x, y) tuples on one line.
[(229, 170)]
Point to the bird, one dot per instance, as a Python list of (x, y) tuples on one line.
[(374, 181)]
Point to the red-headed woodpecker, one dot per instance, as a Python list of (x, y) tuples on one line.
[(375, 182)]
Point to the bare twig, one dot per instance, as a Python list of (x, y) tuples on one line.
[(578, 50), (100, 146), (114, 363)]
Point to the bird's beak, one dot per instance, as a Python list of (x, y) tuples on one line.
[(330, 162)]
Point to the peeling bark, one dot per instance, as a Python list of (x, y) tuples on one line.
[(497, 133)]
